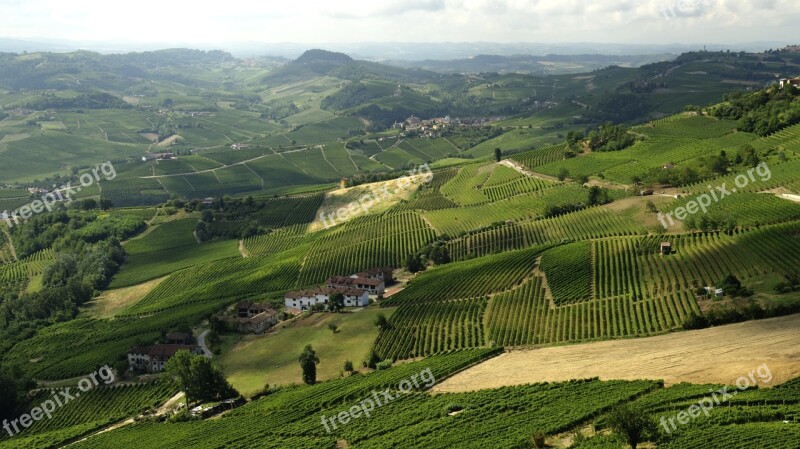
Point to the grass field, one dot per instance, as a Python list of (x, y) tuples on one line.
[(256, 361)]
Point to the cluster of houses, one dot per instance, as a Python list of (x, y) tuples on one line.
[(153, 358), (356, 290), (253, 317), (431, 128)]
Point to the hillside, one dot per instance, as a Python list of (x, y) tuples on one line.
[(517, 212)]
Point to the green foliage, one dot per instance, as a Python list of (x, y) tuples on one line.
[(634, 424), (199, 378), (763, 112), (610, 137), (308, 363), (336, 303)]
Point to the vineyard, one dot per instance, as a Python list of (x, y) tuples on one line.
[(524, 317), (535, 158), (74, 348), (591, 223), (222, 280), (133, 192), (469, 279), (518, 208), (26, 268), (569, 272), (502, 418), (463, 187), (370, 241), (418, 330), (93, 409)]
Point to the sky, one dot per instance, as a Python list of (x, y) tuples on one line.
[(219, 23)]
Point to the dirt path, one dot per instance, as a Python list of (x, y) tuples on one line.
[(10, 244), (201, 341), (242, 250), (525, 171), (716, 355)]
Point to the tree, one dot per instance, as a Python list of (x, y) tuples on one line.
[(381, 322), (439, 254), (597, 196), (14, 386), (498, 154), (308, 363), (199, 378), (633, 424), (414, 263), (336, 302), (106, 204), (563, 174), (348, 366), (89, 204), (334, 328)]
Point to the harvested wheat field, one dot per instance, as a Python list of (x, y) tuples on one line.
[(717, 355)]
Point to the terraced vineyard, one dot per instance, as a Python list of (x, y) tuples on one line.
[(516, 187), (463, 187), (365, 242), (595, 222), (26, 268), (519, 208), (75, 348), (91, 410), (223, 281), (469, 279), (525, 317), (535, 158), (569, 272), (422, 329)]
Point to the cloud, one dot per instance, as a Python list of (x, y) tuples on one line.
[(383, 9), (187, 21)]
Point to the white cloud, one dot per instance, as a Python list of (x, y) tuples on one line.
[(184, 21)]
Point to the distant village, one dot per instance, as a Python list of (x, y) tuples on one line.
[(432, 128)]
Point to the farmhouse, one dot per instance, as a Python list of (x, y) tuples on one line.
[(256, 324), (666, 247), (251, 309), (384, 274), (179, 338), (304, 299), (789, 82), (373, 286), (152, 359)]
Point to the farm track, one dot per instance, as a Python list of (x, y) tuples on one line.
[(10, 244), (509, 163)]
